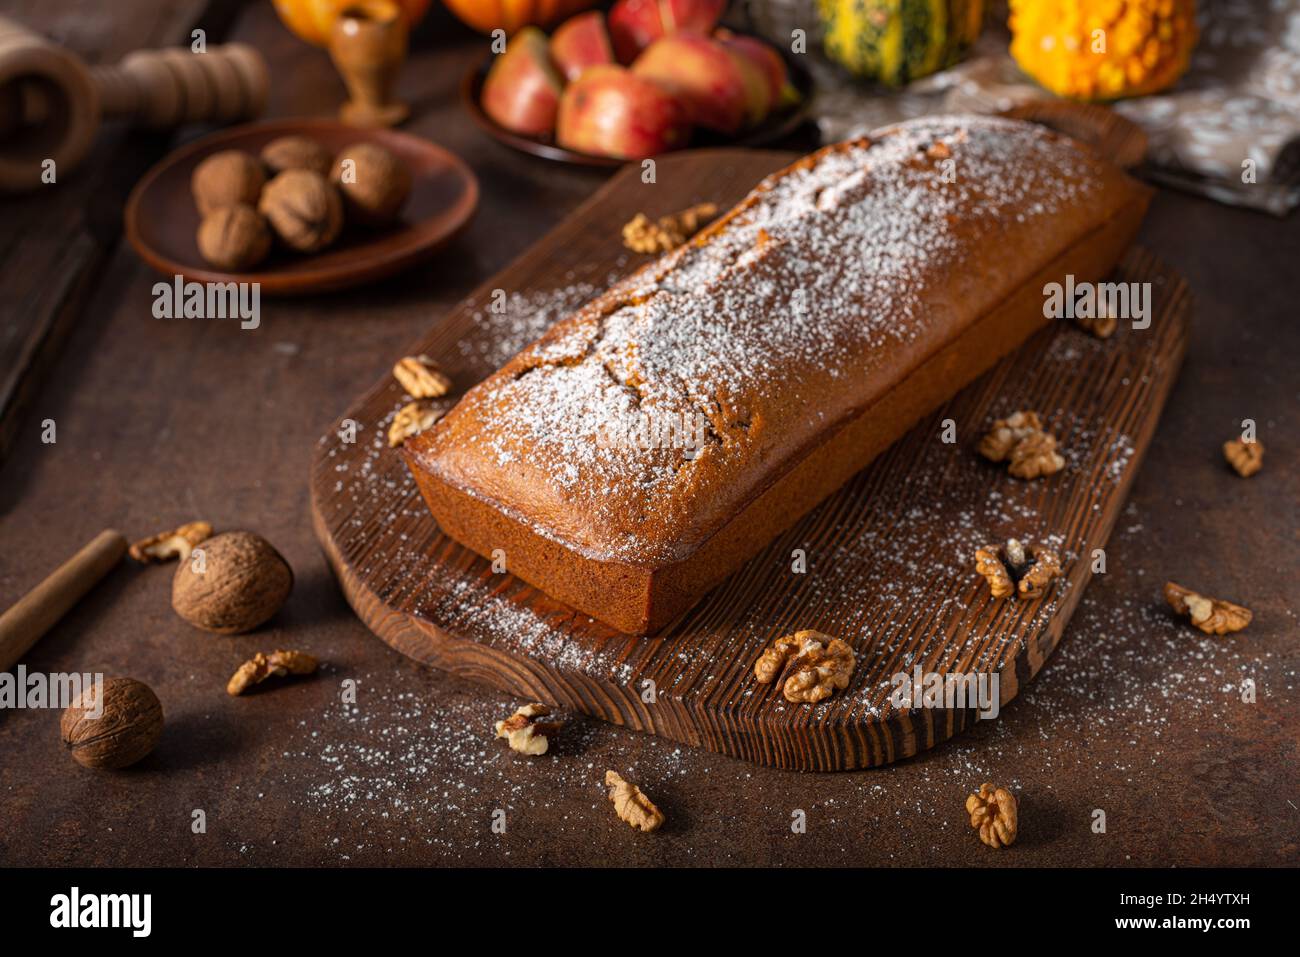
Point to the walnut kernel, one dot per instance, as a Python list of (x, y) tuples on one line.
[(525, 735), (421, 377), (177, 543), (643, 235), (1246, 457), (631, 803), (1020, 440), (813, 665), (1212, 615), (412, 419), (277, 664), (1011, 568), (994, 813)]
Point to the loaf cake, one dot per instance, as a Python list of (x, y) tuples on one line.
[(650, 444)]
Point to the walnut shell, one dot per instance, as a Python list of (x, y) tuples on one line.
[(296, 152), (234, 237), (304, 210), (227, 178), (231, 584), (375, 184), (126, 731)]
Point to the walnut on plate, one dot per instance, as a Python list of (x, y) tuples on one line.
[(1212, 615), (526, 735), (421, 377), (1021, 442), (995, 814), (812, 666), (1246, 457), (631, 803), (1013, 568), (277, 664)]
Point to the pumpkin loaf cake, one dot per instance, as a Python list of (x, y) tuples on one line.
[(648, 445)]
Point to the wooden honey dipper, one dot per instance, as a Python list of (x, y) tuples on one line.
[(51, 103)]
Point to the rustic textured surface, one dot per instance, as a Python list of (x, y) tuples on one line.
[(160, 422)]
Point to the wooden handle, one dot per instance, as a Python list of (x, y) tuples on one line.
[(37, 611), (161, 88)]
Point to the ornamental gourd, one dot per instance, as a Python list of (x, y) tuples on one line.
[(511, 15), (896, 41), (1103, 49), (312, 20)]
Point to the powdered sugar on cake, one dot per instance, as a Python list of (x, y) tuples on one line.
[(836, 273)]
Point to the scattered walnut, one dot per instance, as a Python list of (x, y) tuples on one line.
[(526, 735), (1019, 439), (994, 813), (112, 725), (236, 583), (421, 377), (1103, 326), (178, 543), (645, 236), (813, 665), (1246, 457), (260, 667), (631, 804), (1212, 615), (1011, 568), (412, 419)]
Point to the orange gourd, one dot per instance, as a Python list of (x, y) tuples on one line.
[(312, 20), (511, 15), (1103, 49)]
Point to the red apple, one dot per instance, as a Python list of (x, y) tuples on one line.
[(635, 24), (610, 111), (766, 59), (580, 42), (522, 90), (700, 72)]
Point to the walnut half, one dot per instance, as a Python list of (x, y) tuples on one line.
[(277, 664), (421, 377), (1021, 442), (1212, 615), (525, 735), (814, 666), (1013, 568), (631, 803), (177, 543), (995, 814), (414, 418), (1246, 457)]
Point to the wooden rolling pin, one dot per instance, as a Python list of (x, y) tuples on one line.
[(51, 104), (36, 612)]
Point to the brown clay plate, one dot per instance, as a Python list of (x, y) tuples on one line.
[(778, 125), (161, 220)]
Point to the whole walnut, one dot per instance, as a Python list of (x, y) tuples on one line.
[(296, 152), (231, 584), (234, 237), (227, 178), (117, 732), (304, 209), (374, 183)]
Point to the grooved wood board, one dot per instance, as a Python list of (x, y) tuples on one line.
[(889, 557)]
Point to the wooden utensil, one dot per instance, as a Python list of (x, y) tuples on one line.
[(52, 104), (368, 46), (161, 220), (36, 612)]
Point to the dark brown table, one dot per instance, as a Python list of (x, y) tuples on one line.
[(163, 421)]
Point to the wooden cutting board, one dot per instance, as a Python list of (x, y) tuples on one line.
[(889, 558)]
